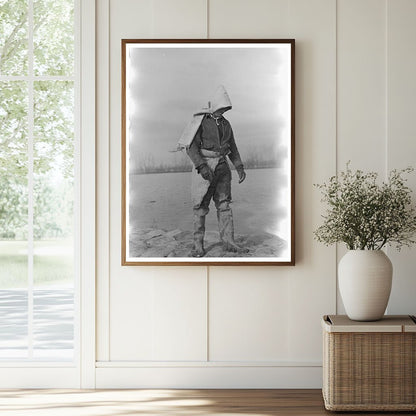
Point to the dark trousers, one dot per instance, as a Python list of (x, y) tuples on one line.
[(219, 190)]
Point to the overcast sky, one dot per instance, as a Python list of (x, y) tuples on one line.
[(166, 85)]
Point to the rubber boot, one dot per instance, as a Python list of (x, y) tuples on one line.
[(199, 232), (226, 226)]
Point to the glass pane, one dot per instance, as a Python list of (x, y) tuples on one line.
[(53, 224), (54, 129), (53, 319), (13, 161), (53, 178), (13, 219), (53, 37), (13, 324), (13, 37)]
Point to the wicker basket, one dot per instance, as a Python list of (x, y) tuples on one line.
[(369, 366)]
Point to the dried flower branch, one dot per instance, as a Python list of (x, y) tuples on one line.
[(365, 215)]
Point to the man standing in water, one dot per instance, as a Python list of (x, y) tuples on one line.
[(208, 149)]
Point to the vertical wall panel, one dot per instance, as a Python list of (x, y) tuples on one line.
[(180, 307), (361, 89), (132, 316), (248, 306), (241, 19), (103, 169), (179, 19), (402, 134), (159, 315), (312, 282), (248, 314), (361, 84), (315, 159), (139, 326)]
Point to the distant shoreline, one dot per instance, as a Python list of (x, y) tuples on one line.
[(190, 170)]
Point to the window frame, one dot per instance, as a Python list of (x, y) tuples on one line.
[(81, 371)]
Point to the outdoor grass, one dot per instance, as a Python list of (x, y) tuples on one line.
[(52, 263)]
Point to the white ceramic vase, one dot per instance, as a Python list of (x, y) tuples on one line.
[(364, 278)]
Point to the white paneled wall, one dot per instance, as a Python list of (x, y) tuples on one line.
[(361, 84), (248, 315), (361, 88), (401, 132), (254, 326)]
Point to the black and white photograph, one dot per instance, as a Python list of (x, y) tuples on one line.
[(208, 152)]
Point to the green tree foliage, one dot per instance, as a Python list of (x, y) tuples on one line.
[(53, 119), (54, 127), (53, 208), (13, 159), (13, 37), (13, 129), (13, 208), (53, 37)]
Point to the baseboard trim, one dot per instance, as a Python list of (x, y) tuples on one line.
[(210, 377), (204, 364)]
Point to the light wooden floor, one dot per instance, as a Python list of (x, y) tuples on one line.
[(164, 402)]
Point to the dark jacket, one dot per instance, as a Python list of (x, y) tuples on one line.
[(216, 138)]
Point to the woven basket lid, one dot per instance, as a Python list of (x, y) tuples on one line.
[(390, 323)]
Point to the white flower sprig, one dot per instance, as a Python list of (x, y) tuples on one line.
[(365, 215)]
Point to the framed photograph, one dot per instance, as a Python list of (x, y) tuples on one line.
[(208, 158)]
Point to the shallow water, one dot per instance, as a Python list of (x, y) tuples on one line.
[(163, 201)]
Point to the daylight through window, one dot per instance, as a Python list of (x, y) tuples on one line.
[(37, 181)]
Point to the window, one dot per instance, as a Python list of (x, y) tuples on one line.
[(38, 185)]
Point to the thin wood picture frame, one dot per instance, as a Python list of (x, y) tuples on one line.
[(208, 140)]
